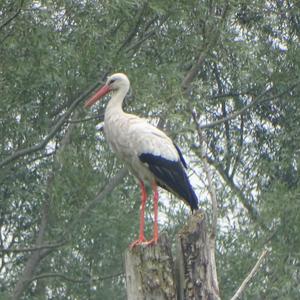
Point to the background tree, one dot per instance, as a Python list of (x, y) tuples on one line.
[(67, 208)]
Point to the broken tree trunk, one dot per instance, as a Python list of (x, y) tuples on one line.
[(152, 274)]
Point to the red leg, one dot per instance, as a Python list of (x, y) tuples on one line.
[(155, 199), (142, 217), (142, 213), (155, 228)]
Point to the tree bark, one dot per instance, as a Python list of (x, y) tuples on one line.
[(195, 267), (151, 272)]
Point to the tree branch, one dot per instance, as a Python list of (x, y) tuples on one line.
[(250, 276), (53, 131), (99, 118), (189, 77), (231, 95), (146, 36), (109, 187), (214, 35), (139, 42), (227, 142), (135, 29), (5, 23), (211, 188), (258, 100), (214, 204), (239, 152), (32, 249), (229, 181), (67, 278)]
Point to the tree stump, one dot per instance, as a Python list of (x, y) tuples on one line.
[(194, 266), (152, 274)]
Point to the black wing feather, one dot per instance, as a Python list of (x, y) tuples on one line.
[(180, 156), (171, 176)]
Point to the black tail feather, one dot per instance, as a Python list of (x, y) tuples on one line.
[(171, 176)]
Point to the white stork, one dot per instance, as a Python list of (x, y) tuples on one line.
[(148, 152)]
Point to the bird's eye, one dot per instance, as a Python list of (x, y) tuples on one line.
[(111, 81)]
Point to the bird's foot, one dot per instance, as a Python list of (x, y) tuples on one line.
[(142, 242), (150, 243), (138, 242)]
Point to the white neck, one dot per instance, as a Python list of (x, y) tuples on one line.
[(116, 101)]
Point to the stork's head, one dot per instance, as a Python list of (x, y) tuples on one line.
[(115, 82)]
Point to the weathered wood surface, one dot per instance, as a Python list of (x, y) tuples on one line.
[(150, 272), (194, 266), (153, 274)]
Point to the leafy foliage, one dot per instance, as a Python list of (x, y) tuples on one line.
[(234, 62)]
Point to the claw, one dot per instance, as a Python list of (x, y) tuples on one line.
[(143, 243), (136, 243), (150, 243)]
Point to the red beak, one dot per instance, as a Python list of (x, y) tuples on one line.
[(100, 93)]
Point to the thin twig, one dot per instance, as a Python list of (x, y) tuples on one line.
[(67, 278), (97, 117), (139, 42), (32, 249), (213, 197), (211, 188), (253, 213), (250, 276)]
